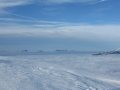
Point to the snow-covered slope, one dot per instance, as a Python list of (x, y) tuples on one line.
[(60, 72)]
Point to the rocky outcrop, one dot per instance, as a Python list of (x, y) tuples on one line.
[(110, 52)]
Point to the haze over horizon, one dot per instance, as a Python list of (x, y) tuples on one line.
[(82, 25)]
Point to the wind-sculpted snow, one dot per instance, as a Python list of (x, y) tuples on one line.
[(60, 72)]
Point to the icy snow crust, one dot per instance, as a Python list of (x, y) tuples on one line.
[(60, 72)]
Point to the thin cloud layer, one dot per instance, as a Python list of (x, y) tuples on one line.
[(71, 1), (84, 32), (12, 3)]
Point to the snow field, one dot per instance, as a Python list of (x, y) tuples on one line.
[(60, 72)]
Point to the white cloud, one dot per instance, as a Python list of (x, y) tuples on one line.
[(38, 23), (11, 3)]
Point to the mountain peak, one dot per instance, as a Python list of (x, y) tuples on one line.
[(118, 49)]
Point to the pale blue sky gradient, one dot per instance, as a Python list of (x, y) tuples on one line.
[(82, 25)]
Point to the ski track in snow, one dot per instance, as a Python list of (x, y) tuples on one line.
[(60, 72)]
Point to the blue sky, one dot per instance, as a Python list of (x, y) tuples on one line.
[(84, 25)]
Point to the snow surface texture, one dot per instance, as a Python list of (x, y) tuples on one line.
[(60, 72)]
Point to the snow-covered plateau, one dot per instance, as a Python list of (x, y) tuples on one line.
[(60, 72)]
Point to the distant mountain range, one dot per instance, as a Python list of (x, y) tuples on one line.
[(110, 52), (61, 50), (24, 51), (40, 51)]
